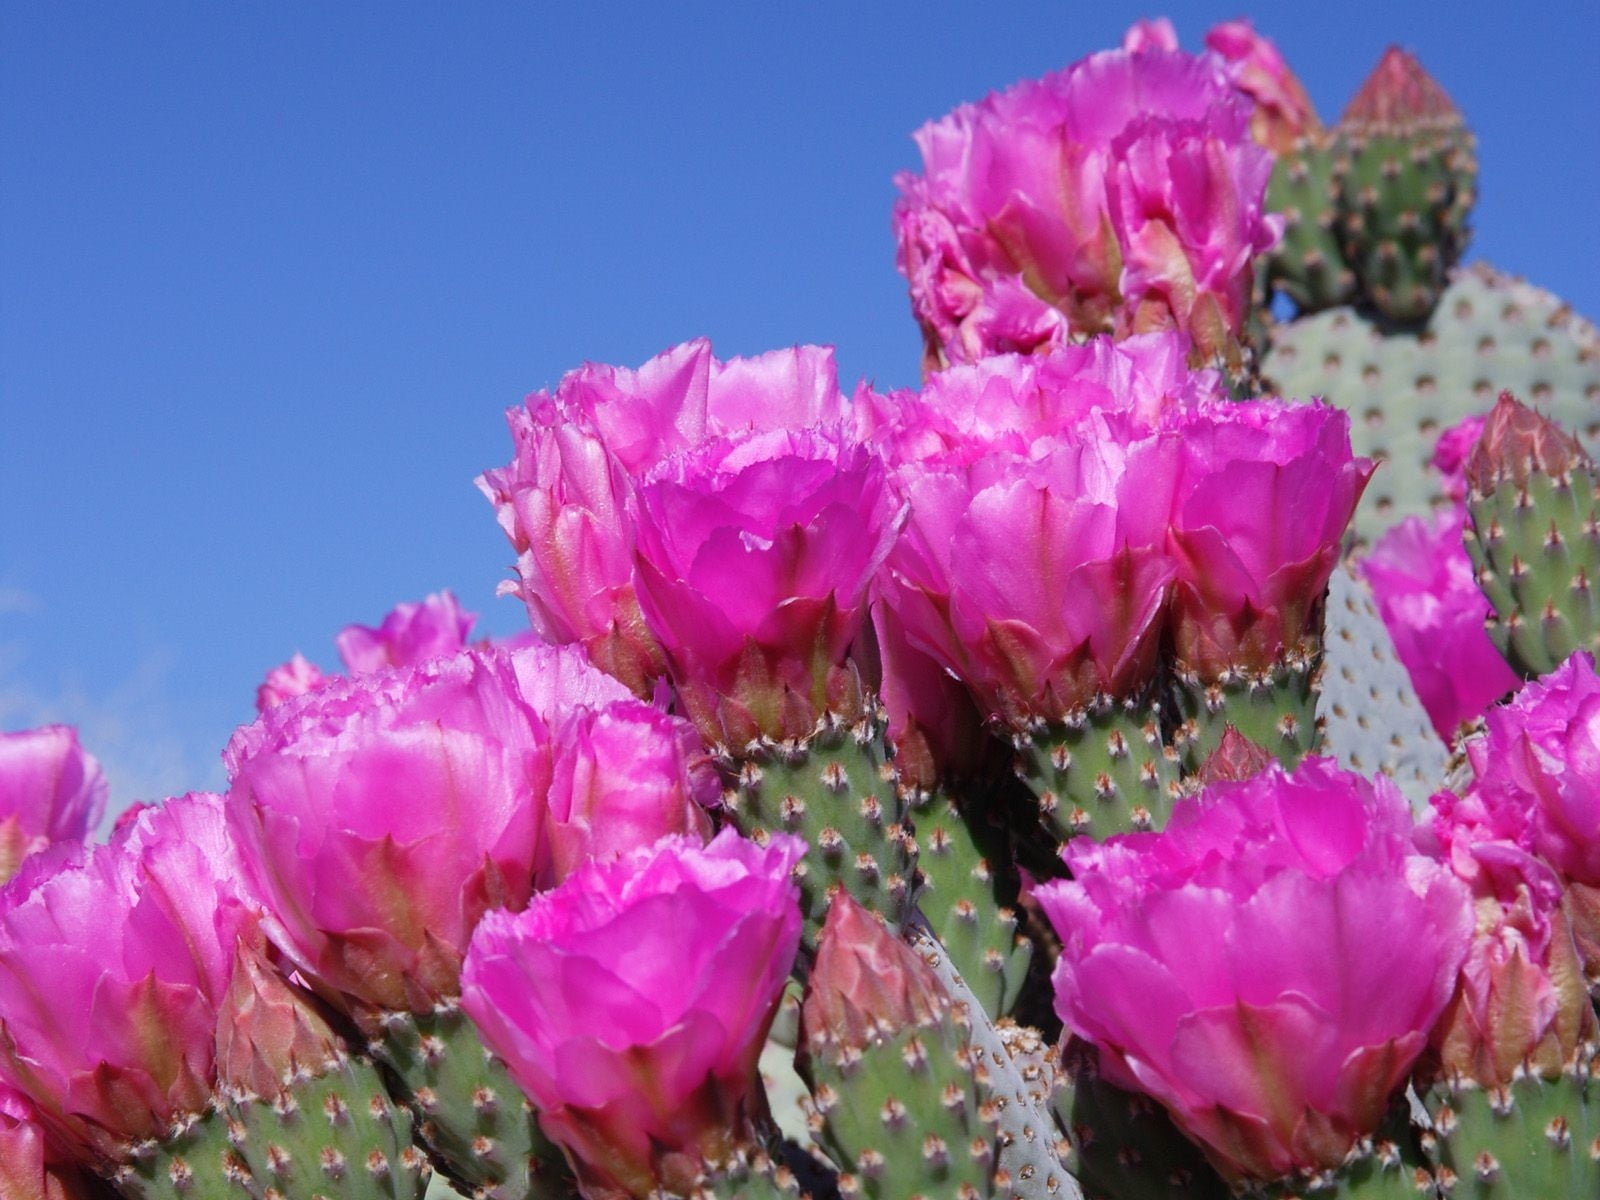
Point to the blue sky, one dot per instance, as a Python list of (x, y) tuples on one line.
[(270, 274)]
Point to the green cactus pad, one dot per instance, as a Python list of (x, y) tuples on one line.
[(905, 1116), (196, 1162), (751, 1176), (1308, 264), (1404, 202), (1100, 772), (1124, 1145), (471, 1117), (957, 895), (1022, 1083), (335, 1137), (1489, 333), (837, 790), (1536, 550), (1536, 1138), (1372, 720), (1276, 709)]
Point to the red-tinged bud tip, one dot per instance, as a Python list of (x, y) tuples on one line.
[(1236, 758), (268, 1032), (1400, 95), (1517, 441), (867, 984)]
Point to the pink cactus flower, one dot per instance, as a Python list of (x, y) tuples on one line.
[(1283, 112), (1520, 1003), (626, 776), (1539, 765), (1422, 580), (1123, 194), (632, 1001), (566, 500), (1265, 492), (114, 962), (1032, 565), (287, 680), (753, 558), (31, 1166), (411, 634), (1451, 452), (383, 814), (51, 790), (1268, 967)]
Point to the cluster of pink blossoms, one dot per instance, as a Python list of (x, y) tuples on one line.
[(719, 555), (370, 825), (1119, 196)]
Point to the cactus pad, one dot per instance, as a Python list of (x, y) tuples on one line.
[(958, 894), (1372, 719), (1102, 771), (336, 1137), (470, 1115), (1402, 388), (1276, 709), (836, 789), (1536, 1138)]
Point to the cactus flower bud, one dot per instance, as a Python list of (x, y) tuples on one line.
[(866, 985), (631, 1002), (1400, 95), (1516, 442), (268, 1032), (50, 791), (409, 635), (1236, 758), (1214, 967)]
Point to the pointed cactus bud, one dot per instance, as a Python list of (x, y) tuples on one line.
[(1518, 441), (1408, 179), (1236, 758), (867, 984), (268, 1033), (1400, 96)]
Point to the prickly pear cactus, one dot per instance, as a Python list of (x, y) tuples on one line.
[(1407, 175), (958, 895), (470, 1115), (1534, 540), (1102, 771), (1308, 265), (1276, 709), (196, 1162), (337, 1136), (1538, 1137), (1402, 387), (837, 791), (1372, 719)]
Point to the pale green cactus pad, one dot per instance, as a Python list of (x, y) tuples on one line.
[(1371, 717), (1490, 332)]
